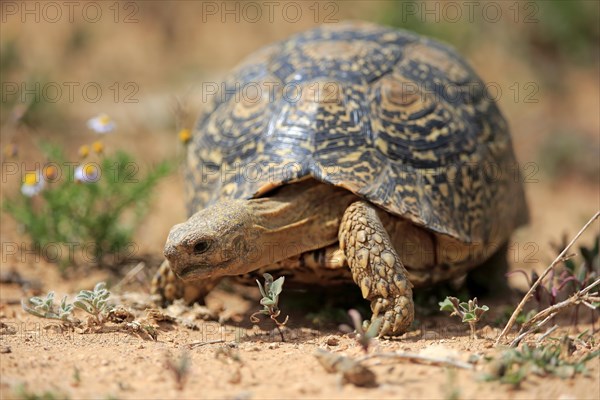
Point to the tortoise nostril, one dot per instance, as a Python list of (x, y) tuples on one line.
[(169, 251)]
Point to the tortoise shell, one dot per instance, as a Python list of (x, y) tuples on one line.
[(396, 118)]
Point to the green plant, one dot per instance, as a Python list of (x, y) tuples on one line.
[(469, 312), (94, 218), (22, 392), (513, 365), (270, 292), (44, 307), (180, 368), (365, 331), (93, 302)]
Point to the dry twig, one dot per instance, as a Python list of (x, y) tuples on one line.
[(582, 296), (421, 359), (201, 343)]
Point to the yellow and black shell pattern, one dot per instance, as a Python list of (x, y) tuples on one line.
[(399, 119)]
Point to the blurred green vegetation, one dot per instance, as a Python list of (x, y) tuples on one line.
[(561, 30), (563, 154), (99, 215)]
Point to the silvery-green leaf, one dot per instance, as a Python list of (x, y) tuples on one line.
[(446, 305), (268, 277), (262, 292), (469, 317), (268, 281), (373, 329), (277, 286), (84, 306), (30, 310), (480, 310), (265, 301), (36, 301), (99, 286), (356, 320)]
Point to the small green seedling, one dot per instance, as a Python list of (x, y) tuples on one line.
[(470, 312), (24, 393), (365, 331), (230, 355), (180, 368), (44, 307), (94, 302), (270, 292)]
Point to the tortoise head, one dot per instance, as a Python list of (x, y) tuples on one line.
[(213, 242)]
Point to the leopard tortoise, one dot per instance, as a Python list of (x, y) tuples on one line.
[(347, 152)]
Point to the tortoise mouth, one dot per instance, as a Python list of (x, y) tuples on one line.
[(192, 272)]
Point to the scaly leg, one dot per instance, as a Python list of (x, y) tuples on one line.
[(376, 267), (169, 287)]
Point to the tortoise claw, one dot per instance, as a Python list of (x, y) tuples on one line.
[(398, 314)]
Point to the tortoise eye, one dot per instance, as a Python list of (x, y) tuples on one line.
[(201, 247)]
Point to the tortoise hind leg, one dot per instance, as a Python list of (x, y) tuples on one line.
[(168, 287), (376, 267)]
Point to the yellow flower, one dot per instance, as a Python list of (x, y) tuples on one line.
[(84, 151), (98, 147), (50, 172), (185, 135), (31, 178)]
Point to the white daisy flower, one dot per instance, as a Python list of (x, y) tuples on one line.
[(32, 184), (101, 124), (87, 173)]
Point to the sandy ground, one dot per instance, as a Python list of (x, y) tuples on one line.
[(166, 54), (37, 356)]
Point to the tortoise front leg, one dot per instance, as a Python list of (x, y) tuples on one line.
[(169, 287), (376, 267)]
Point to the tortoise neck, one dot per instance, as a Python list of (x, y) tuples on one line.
[(297, 218)]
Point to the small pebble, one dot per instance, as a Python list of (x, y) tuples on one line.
[(5, 350), (332, 341)]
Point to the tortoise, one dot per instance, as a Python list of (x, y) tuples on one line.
[(349, 152)]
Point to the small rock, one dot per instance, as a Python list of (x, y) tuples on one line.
[(105, 362), (5, 350), (332, 341)]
